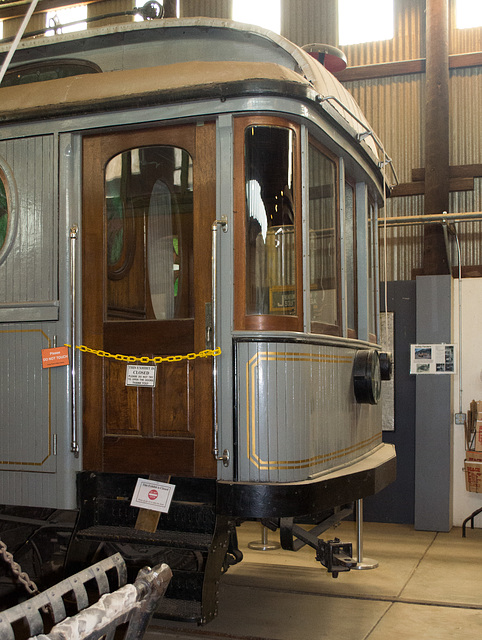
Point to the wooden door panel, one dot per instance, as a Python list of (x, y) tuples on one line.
[(121, 402), (174, 408), (141, 429), (137, 411), (148, 454), (176, 336)]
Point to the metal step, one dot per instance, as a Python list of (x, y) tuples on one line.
[(161, 537), (181, 610), (192, 538)]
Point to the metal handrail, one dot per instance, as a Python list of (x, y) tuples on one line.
[(223, 222), (74, 445)]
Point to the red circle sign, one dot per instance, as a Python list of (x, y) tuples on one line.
[(152, 495)]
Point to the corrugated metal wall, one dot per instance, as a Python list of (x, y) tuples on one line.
[(207, 8), (408, 42), (310, 21), (395, 108)]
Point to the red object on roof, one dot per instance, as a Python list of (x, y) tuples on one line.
[(330, 57)]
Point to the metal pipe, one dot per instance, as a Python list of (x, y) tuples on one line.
[(437, 217), (74, 445), (222, 223), (147, 12), (18, 37), (367, 133), (459, 264), (359, 530), (362, 562)]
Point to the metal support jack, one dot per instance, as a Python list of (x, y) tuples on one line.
[(362, 563), (264, 544)]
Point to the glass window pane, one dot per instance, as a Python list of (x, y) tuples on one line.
[(3, 212), (270, 221), (367, 21), (371, 271), (65, 16), (149, 226), (350, 257), (265, 14), (323, 238), (468, 14)]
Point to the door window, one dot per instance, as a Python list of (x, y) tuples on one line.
[(149, 218)]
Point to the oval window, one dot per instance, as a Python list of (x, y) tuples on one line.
[(3, 211), (8, 210)]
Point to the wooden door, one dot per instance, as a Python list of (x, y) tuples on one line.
[(148, 207)]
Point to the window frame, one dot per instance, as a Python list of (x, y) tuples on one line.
[(315, 326), (372, 219), (352, 332), (264, 322), (11, 195)]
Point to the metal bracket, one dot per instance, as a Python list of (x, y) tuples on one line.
[(336, 556)]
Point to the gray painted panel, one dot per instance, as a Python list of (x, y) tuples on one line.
[(433, 436), (224, 206), (29, 271), (297, 415), (26, 400), (35, 402), (32, 312)]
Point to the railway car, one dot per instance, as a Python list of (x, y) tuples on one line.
[(188, 295)]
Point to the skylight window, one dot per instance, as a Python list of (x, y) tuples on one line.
[(366, 21), (64, 16), (265, 14), (468, 14)]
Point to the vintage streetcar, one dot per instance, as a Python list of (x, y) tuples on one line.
[(188, 295)]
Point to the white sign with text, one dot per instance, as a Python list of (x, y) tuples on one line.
[(150, 494)]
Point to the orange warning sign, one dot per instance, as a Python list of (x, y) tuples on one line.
[(56, 357)]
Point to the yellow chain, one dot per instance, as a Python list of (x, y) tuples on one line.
[(145, 359)]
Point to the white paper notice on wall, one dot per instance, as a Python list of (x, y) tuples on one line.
[(432, 358), (150, 494)]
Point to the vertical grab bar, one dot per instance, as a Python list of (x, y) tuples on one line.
[(74, 445), (223, 222)]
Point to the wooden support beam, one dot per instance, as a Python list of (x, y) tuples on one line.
[(382, 70), (418, 188), (405, 67), (18, 10), (456, 171), (435, 259)]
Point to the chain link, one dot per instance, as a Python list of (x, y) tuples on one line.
[(16, 569), (145, 359)]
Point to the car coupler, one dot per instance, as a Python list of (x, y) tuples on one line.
[(336, 556)]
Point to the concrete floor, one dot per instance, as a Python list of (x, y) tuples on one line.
[(428, 585)]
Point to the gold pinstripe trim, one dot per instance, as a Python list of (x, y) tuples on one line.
[(49, 448), (273, 356)]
